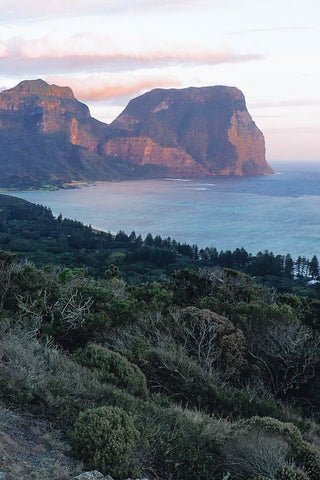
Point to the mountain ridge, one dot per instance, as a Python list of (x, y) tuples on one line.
[(48, 136)]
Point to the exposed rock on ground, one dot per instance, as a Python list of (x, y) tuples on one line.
[(31, 449)]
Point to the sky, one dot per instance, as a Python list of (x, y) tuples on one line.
[(109, 51)]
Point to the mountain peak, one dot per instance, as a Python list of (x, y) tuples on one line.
[(41, 88), (211, 124)]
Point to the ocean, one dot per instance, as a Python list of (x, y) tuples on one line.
[(279, 213)]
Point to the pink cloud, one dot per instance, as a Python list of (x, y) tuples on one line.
[(85, 52), (3, 50), (38, 8), (89, 46), (179, 5), (26, 8), (93, 88)]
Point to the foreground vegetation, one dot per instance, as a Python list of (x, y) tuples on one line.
[(173, 369)]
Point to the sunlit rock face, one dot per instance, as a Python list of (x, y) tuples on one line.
[(211, 124), (48, 108), (144, 151), (48, 136)]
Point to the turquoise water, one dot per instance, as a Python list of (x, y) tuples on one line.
[(276, 212)]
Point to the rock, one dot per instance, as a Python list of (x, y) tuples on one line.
[(210, 124), (144, 151), (3, 476), (93, 475), (48, 136)]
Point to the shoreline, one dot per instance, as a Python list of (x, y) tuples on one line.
[(83, 183)]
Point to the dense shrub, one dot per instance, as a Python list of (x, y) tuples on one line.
[(308, 457), (286, 430), (111, 367), (181, 450), (305, 455), (45, 380), (104, 439), (213, 340), (255, 454), (291, 472), (172, 372)]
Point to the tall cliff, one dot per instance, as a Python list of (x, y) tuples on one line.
[(210, 124), (48, 136)]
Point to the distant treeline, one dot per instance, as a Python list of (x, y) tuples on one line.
[(33, 232)]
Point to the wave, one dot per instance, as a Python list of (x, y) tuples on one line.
[(177, 179)]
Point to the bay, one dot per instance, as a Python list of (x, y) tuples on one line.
[(279, 213)]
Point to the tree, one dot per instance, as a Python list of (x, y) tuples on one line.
[(212, 340), (158, 241), (149, 240), (122, 237), (188, 286), (132, 236), (314, 267), (288, 266), (288, 353)]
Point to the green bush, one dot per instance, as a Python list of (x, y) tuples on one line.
[(259, 477), (304, 454), (46, 381), (308, 457), (290, 472), (111, 367), (104, 439), (254, 454), (180, 448), (172, 372), (288, 431)]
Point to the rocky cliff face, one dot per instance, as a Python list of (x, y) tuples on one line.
[(48, 136), (210, 124), (144, 151), (48, 108)]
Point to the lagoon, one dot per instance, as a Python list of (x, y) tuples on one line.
[(279, 213)]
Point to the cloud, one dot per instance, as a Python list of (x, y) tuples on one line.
[(95, 88), (294, 131), (287, 103), (38, 8), (16, 9), (3, 50), (88, 45), (269, 29), (89, 52), (92, 63), (178, 4)]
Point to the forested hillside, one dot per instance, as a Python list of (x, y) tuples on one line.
[(154, 359)]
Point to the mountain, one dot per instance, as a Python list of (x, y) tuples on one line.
[(48, 136), (209, 124)]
